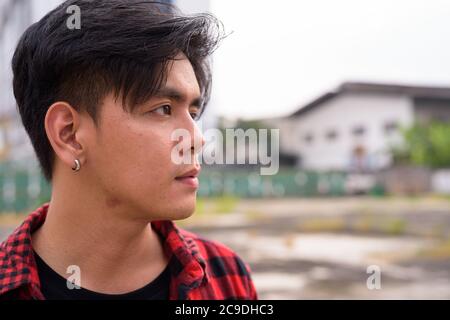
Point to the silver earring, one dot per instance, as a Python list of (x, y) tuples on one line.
[(77, 165)]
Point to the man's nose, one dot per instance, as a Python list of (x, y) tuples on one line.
[(197, 138)]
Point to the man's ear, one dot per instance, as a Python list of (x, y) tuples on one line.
[(62, 123)]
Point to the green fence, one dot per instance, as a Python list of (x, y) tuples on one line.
[(287, 183), (23, 189)]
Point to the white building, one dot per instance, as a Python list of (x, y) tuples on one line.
[(354, 127)]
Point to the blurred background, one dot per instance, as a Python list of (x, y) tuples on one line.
[(360, 93)]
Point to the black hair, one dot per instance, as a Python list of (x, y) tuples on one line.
[(123, 46)]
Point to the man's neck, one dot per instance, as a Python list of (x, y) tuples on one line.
[(115, 254)]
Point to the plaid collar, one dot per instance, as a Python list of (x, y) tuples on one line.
[(18, 267)]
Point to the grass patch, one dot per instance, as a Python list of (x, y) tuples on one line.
[(364, 224), (322, 225), (394, 227), (389, 226), (216, 205), (254, 215), (440, 251), (226, 204)]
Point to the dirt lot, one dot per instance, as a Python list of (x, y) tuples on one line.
[(321, 248)]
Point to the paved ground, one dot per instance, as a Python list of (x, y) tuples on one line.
[(312, 249), (321, 248)]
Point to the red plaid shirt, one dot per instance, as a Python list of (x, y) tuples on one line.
[(200, 269)]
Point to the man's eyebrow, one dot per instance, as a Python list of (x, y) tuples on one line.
[(178, 96)]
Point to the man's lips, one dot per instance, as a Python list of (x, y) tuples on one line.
[(190, 178), (191, 173)]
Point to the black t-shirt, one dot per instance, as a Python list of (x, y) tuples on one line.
[(54, 287)]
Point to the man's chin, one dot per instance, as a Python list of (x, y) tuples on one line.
[(181, 213), (181, 217)]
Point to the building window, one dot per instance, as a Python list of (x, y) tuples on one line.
[(309, 138), (359, 131), (390, 127), (331, 135)]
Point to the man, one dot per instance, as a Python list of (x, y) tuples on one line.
[(101, 103)]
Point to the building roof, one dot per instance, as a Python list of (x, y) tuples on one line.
[(377, 88)]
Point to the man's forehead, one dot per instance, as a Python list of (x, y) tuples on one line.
[(181, 83), (181, 77), (181, 93)]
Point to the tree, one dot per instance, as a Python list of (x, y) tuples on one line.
[(425, 145)]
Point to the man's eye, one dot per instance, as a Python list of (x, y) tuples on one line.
[(165, 110), (194, 115)]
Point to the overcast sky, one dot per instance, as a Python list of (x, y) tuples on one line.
[(282, 54)]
